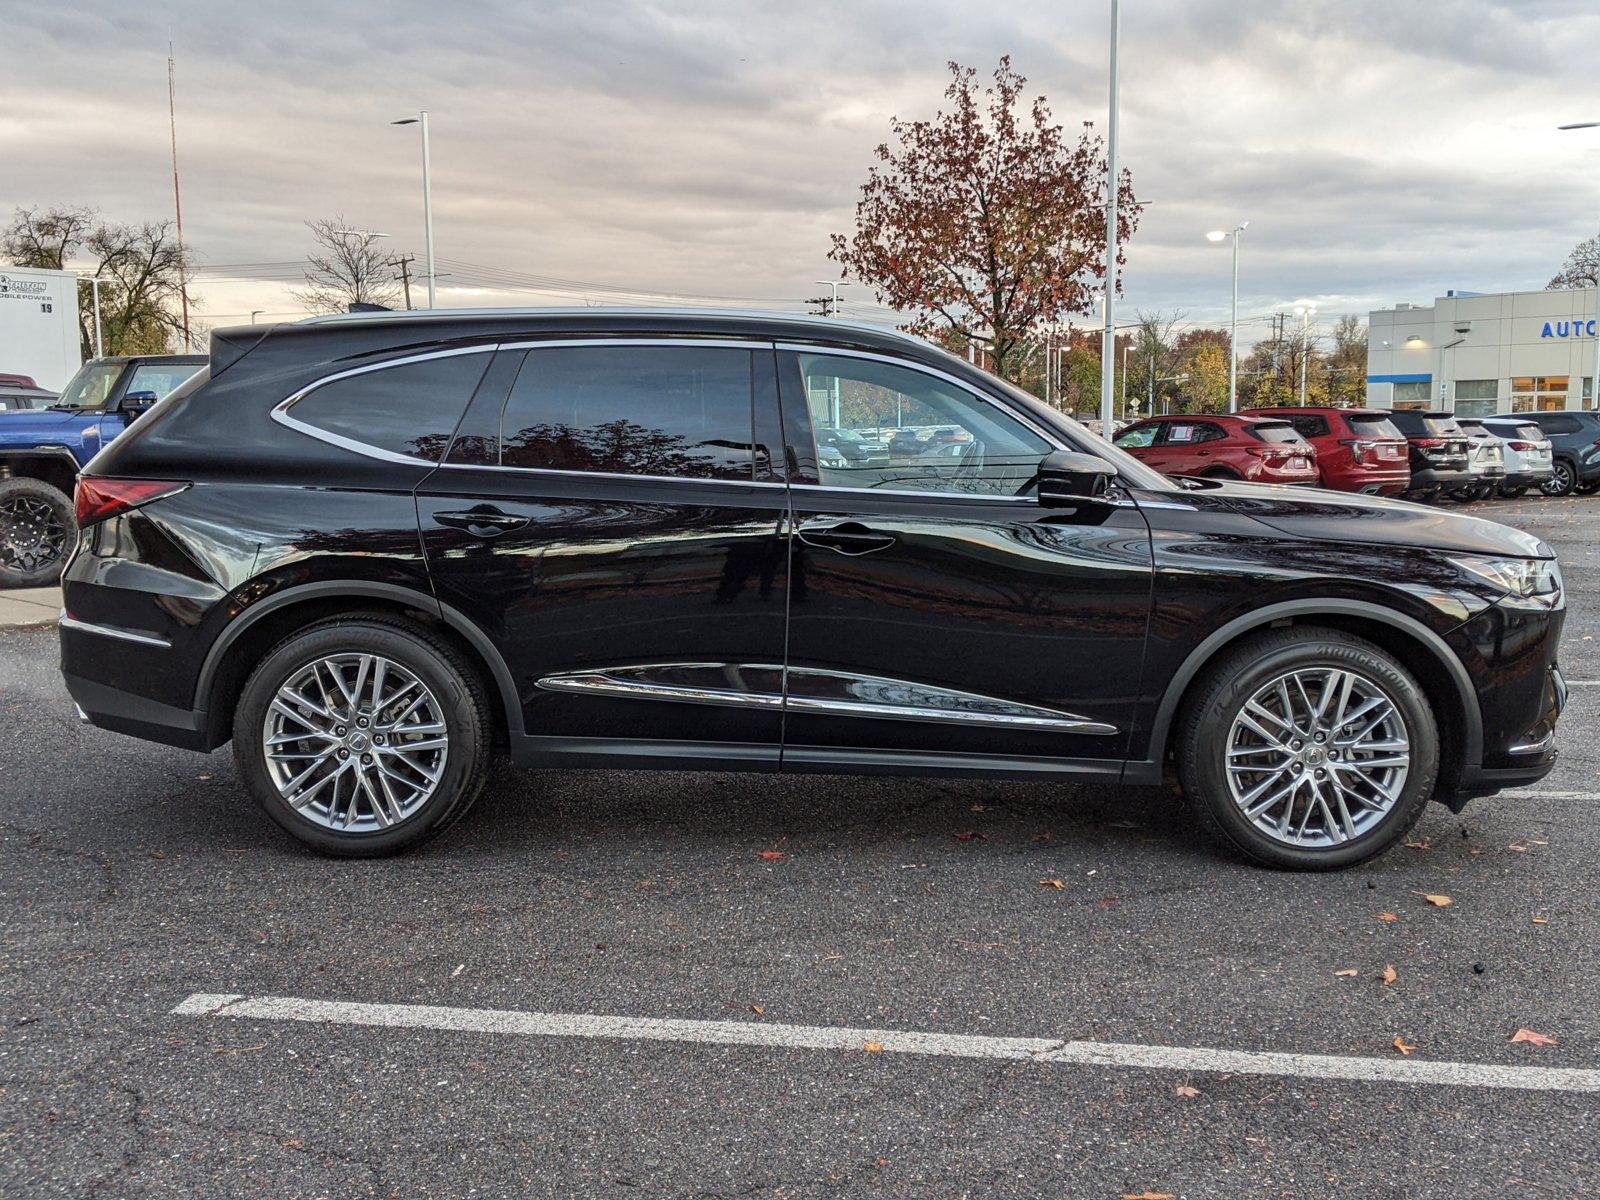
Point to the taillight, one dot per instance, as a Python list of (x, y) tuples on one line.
[(97, 499), (1428, 443), (1523, 446)]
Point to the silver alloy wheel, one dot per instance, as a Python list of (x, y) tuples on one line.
[(1317, 757), (355, 742)]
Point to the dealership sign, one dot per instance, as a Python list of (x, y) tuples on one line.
[(1561, 329)]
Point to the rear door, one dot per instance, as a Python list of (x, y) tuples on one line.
[(609, 514)]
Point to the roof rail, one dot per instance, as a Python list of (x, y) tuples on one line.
[(418, 314)]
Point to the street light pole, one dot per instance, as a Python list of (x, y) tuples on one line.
[(1305, 350), (1217, 235), (1108, 338), (427, 198), (1594, 379)]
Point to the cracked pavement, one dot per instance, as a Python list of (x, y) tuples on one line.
[(134, 875)]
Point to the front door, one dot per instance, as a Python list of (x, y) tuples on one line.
[(611, 519), (938, 613)]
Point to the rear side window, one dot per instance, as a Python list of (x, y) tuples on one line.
[(1556, 424), (410, 408), (1373, 426), (1440, 426), (681, 411), (161, 378), (1308, 425), (1137, 437)]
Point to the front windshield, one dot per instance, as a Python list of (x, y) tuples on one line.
[(90, 387)]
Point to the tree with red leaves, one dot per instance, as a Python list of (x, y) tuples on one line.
[(986, 222)]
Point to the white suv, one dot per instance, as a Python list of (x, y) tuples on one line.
[(1527, 453)]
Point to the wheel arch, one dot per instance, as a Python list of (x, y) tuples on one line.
[(48, 464), (247, 638), (1419, 649)]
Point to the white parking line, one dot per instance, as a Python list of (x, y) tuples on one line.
[(1538, 794), (891, 1041)]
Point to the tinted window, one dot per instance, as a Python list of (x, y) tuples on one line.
[(972, 446), (632, 410), (1559, 424), (1408, 423), (160, 378), (1276, 432), (1439, 426), (410, 408), (1372, 425)]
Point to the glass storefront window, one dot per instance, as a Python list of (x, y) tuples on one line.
[(1538, 393), (1477, 397), (1413, 395)]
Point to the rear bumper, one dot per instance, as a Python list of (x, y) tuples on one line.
[(123, 712), (1432, 477)]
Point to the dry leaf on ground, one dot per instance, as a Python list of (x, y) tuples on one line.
[(1388, 917), (1403, 1046), (1184, 1090), (772, 856), (1435, 899), (1389, 975), (1051, 883), (1348, 972), (1532, 1038), (873, 1048), (1148, 1196)]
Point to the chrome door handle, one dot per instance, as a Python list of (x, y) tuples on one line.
[(848, 537), (483, 520)]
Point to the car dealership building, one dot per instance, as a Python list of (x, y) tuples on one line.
[(1477, 354)]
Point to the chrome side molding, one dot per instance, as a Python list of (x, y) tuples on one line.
[(816, 690), (111, 631)]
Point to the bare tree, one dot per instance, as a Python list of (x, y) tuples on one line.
[(347, 267), (1582, 268), (1155, 354), (140, 267)]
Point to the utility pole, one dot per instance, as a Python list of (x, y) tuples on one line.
[(1305, 351), (1108, 338), (99, 345), (831, 305), (403, 262), (177, 194)]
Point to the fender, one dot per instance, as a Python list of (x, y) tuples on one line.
[(1149, 771), (378, 591), (51, 451)]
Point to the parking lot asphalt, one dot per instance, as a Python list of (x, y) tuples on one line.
[(135, 876)]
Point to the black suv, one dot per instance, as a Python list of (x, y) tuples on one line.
[(371, 550), (1440, 451), (1574, 450)]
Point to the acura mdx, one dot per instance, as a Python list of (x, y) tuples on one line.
[(374, 551)]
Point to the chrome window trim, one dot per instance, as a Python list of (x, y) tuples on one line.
[(127, 635), (280, 411), (688, 339)]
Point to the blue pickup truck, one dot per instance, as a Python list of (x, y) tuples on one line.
[(42, 450)]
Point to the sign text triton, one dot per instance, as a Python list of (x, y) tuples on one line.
[(1567, 329)]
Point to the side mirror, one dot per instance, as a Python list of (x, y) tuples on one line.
[(1068, 475), (136, 404)]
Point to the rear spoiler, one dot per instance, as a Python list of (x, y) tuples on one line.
[(229, 345)]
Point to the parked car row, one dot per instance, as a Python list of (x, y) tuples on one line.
[(1411, 453)]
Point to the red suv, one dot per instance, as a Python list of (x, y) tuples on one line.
[(1257, 449), (1358, 449)]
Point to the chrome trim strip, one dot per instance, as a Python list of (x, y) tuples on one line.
[(1538, 747), (127, 635), (727, 343), (953, 707)]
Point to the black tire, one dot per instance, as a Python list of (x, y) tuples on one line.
[(38, 530), (463, 707), (1512, 493), (1217, 698), (1562, 479), (1221, 473), (1586, 489)]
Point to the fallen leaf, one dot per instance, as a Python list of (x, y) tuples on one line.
[(772, 856), (758, 1010), (971, 835), (1435, 899), (1044, 837), (1541, 920), (1148, 1196), (1420, 844), (1532, 1038), (1348, 972), (1389, 975), (1520, 847), (1404, 1047), (978, 808), (873, 1048), (1051, 883), (1184, 1090), (1387, 917)]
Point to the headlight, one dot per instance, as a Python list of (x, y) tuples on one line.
[(1523, 578)]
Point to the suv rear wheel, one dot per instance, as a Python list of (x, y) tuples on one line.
[(363, 736), (37, 528), (1308, 749), (1562, 479)]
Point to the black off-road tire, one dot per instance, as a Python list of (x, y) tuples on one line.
[(453, 680), (38, 530), (1221, 691)]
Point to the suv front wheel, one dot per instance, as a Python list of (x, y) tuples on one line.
[(37, 528), (363, 736), (1308, 749)]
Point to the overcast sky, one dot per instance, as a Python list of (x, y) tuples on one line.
[(1381, 150)]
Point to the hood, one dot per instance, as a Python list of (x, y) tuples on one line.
[(1346, 517), (41, 425)]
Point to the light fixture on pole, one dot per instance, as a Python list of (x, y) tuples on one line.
[(254, 313), (1594, 379), (427, 198), (1108, 337), (832, 303), (1218, 235)]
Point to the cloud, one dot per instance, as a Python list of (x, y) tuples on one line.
[(1380, 151)]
